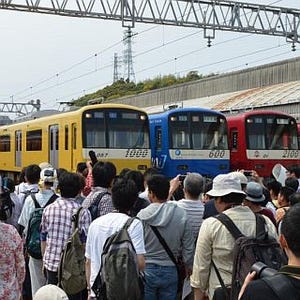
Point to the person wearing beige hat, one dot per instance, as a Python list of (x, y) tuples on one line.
[(50, 292), (215, 243)]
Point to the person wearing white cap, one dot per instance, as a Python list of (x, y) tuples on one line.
[(50, 292), (215, 243)]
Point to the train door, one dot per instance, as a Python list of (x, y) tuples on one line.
[(73, 146), (53, 145), (159, 156), (18, 148)]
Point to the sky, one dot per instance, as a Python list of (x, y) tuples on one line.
[(59, 59)]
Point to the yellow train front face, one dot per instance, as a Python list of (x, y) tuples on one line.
[(116, 133)]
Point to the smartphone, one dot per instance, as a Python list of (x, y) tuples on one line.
[(248, 173), (93, 157), (182, 177)]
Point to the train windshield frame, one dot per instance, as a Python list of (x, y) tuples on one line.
[(115, 129), (197, 131), (271, 132)]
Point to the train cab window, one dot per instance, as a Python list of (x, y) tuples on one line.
[(34, 140), (5, 143), (180, 133), (94, 129), (256, 133)]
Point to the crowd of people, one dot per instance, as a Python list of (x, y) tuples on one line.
[(179, 211)]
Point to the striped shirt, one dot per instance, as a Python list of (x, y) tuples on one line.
[(56, 228), (194, 210)]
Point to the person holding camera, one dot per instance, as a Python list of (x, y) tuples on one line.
[(285, 284)]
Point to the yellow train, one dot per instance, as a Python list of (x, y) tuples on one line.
[(115, 132)]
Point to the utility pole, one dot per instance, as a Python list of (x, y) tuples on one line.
[(116, 67)]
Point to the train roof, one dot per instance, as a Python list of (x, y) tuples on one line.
[(60, 115), (250, 113)]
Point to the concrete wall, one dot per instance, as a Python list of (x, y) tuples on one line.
[(279, 72)]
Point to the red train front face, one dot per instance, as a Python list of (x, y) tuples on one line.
[(261, 139)]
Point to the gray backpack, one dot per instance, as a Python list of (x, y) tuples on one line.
[(119, 278), (71, 269)]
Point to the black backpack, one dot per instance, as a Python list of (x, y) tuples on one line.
[(6, 206), (247, 251), (94, 206), (119, 277), (33, 242)]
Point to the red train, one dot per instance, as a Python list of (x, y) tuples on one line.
[(260, 139)]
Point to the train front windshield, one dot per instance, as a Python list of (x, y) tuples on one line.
[(199, 131), (271, 132), (116, 129)]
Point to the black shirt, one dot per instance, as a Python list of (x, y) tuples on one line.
[(259, 290)]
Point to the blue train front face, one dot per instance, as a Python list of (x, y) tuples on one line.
[(189, 140)]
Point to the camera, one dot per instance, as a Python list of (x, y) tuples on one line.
[(262, 270), (248, 173), (182, 177)]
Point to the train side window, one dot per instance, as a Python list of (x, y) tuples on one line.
[(5, 143), (234, 140), (66, 137), (34, 140), (158, 138)]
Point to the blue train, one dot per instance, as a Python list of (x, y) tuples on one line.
[(189, 140)]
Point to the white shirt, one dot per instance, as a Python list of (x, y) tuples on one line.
[(104, 227), (42, 198)]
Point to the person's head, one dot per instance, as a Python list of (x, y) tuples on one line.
[(44, 165), (124, 194), (274, 187), (48, 177), (69, 184), (158, 187), (193, 185), (104, 174), (290, 233), (60, 171), (293, 171), (254, 194), (123, 172), (138, 179), (242, 177), (50, 292), (148, 174), (22, 176), (294, 199), (81, 168), (207, 187), (8, 185), (283, 196), (32, 174), (227, 191), (292, 182)]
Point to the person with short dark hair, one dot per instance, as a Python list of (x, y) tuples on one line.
[(274, 187), (290, 284), (215, 243), (292, 182), (147, 175), (173, 225), (56, 225), (283, 202), (104, 174), (124, 194)]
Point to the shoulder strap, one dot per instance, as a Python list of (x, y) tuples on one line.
[(228, 223), (99, 197), (128, 223), (51, 199), (221, 281), (36, 204), (164, 244), (75, 218), (281, 285), (261, 232)]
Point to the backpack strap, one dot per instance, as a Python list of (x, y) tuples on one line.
[(51, 199), (228, 223), (225, 290), (75, 218), (99, 197), (281, 285), (261, 232), (36, 204), (128, 223)]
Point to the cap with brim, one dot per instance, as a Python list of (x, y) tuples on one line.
[(225, 184), (254, 192), (50, 292)]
